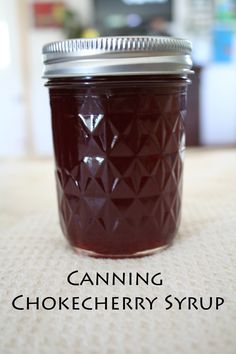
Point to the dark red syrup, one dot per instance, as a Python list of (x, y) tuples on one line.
[(119, 144)]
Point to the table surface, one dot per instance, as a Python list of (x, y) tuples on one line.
[(36, 259)]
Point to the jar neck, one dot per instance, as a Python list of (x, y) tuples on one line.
[(109, 79)]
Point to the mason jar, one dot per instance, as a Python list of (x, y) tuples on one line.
[(118, 107)]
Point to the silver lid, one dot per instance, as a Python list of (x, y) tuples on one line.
[(117, 56)]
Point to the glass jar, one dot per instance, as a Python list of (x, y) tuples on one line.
[(118, 107)]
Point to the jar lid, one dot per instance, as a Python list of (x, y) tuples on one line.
[(117, 56)]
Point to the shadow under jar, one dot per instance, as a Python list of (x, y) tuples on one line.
[(118, 106)]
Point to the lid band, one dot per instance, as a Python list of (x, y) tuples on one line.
[(117, 56)]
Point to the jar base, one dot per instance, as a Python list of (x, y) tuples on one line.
[(149, 252)]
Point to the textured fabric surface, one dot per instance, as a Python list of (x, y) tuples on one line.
[(36, 259)]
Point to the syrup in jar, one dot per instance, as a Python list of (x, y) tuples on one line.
[(118, 131)]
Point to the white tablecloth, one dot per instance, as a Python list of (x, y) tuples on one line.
[(36, 259)]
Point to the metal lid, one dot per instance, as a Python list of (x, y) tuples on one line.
[(117, 56)]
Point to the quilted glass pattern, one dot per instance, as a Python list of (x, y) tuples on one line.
[(119, 161)]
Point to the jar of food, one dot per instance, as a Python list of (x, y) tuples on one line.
[(118, 107)]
